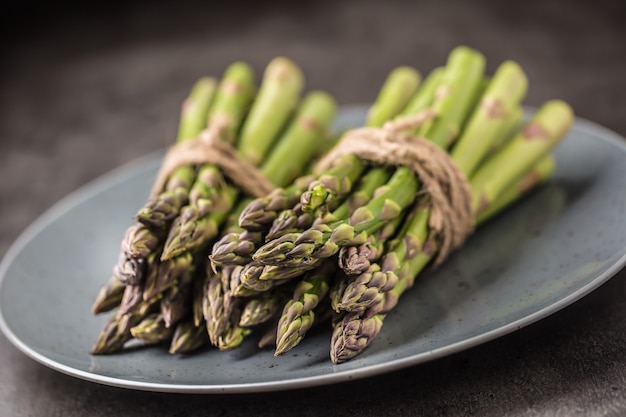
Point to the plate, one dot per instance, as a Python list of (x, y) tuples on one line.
[(547, 251)]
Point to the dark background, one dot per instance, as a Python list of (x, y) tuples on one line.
[(86, 88)]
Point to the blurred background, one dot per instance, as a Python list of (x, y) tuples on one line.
[(88, 86)]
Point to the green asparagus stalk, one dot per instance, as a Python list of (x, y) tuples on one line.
[(355, 260), (460, 81), (116, 332), (188, 337), (503, 95), (261, 308), (537, 175), (394, 95), (276, 100), (298, 314), (176, 302), (423, 98), (262, 212), (165, 275), (109, 296), (544, 131), (152, 330), (131, 298)]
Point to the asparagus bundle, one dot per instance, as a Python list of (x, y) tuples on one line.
[(275, 129), (338, 246), (377, 248)]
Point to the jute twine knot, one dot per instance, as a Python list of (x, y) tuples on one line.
[(447, 189), (211, 147)]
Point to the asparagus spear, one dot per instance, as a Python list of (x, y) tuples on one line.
[(196, 231), (275, 101), (298, 314), (294, 220), (188, 337), (259, 309), (546, 128), (152, 329), (537, 175), (117, 330), (394, 95), (109, 296)]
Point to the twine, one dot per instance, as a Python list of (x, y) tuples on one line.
[(210, 147), (449, 193)]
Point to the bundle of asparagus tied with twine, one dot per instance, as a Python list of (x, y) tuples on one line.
[(234, 143), (435, 160)]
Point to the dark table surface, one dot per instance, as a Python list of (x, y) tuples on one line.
[(85, 89)]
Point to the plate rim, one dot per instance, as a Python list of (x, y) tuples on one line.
[(144, 163)]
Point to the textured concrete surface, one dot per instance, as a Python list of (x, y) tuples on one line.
[(84, 90)]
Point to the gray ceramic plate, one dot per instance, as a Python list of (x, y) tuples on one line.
[(544, 253)]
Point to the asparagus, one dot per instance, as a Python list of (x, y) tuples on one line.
[(537, 175), (138, 244), (117, 330), (275, 101), (165, 275), (394, 95), (354, 260), (175, 303), (109, 296), (261, 308), (545, 129), (200, 226), (133, 295), (152, 329), (293, 221), (298, 314), (262, 212), (188, 337), (359, 328)]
